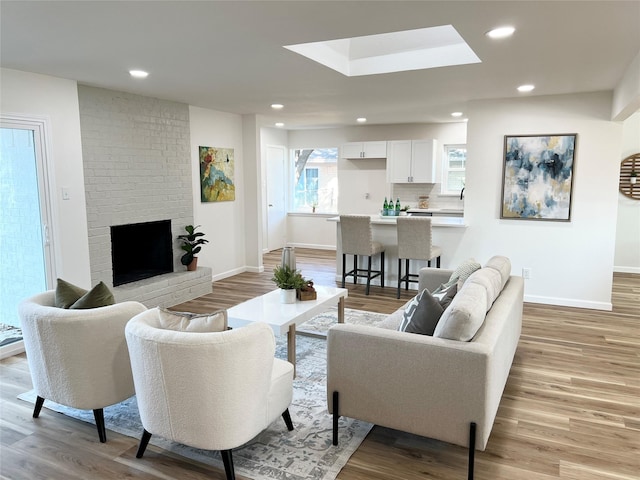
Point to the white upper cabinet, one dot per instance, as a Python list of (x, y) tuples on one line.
[(411, 161), (364, 150)]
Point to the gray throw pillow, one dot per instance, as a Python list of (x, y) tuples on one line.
[(422, 314), (446, 296)]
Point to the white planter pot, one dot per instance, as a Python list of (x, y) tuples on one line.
[(632, 180), (288, 296)]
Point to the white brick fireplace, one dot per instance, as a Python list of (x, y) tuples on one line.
[(137, 168)]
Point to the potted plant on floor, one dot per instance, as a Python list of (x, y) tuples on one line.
[(288, 280), (633, 177), (192, 243)]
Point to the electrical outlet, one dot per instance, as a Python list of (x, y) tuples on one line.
[(526, 273)]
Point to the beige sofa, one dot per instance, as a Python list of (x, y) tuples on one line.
[(434, 387)]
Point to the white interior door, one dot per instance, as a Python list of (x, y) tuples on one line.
[(276, 198)]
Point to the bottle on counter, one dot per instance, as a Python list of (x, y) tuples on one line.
[(385, 206), (398, 207)]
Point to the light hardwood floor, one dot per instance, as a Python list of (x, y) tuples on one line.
[(570, 410)]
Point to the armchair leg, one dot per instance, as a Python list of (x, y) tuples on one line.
[(336, 416), (287, 419), (98, 414), (144, 441), (472, 448), (227, 459), (366, 292), (399, 277), (38, 407), (344, 267)]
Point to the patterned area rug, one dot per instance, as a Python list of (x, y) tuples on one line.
[(10, 334), (304, 454), (319, 324)]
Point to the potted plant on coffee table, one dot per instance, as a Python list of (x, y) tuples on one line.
[(192, 243), (288, 280)]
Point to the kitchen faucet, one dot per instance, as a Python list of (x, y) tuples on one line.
[(462, 193)]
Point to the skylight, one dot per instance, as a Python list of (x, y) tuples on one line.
[(391, 52)]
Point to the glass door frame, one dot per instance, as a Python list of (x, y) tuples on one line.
[(40, 128)]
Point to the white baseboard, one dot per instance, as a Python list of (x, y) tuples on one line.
[(12, 349), (626, 269), (569, 302), (313, 245)]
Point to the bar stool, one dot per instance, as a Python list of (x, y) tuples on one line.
[(355, 231), (414, 242)]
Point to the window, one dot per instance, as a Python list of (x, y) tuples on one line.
[(453, 169), (315, 180)]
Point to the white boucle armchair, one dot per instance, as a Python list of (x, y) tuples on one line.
[(208, 390), (78, 358)]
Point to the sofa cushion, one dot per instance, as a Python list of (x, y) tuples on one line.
[(424, 310), (192, 322), (98, 296), (502, 265), (462, 319), (490, 280)]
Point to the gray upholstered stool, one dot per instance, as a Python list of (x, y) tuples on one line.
[(414, 242), (355, 231)]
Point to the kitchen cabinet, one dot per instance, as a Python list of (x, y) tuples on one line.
[(411, 161), (356, 150)]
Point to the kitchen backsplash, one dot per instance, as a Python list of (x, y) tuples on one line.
[(409, 193)]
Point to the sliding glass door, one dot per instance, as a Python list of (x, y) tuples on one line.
[(26, 263)]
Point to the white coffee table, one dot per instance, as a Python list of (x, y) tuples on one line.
[(283, 317)]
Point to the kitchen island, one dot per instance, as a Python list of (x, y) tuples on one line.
[(446, 232)]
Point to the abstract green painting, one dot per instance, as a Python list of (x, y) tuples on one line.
[(216, 174)]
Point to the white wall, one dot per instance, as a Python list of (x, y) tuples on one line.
[(359, 177), (222, 222), (56, 100), (571, 262), (627, 255)]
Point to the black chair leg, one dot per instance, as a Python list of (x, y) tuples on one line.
[(287, 419), (344, 268), (355, 269), (399, 277), (438, 262), (38, 407), (144, 441), (98, 414), (336, 417), (406, 274), (472, 449), (382, 269), (227, 459)]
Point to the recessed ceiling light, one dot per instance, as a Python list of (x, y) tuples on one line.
[(279, 124), (361, 120), (456, 114), (138, 73), (526, 88), (277, 106), (500, 32)]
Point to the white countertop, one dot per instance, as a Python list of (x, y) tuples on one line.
[(456, 222), (436, 210)]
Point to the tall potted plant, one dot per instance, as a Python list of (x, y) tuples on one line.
[(192, 243), (288, 280)]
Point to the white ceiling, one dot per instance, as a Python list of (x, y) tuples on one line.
[(229, 56)]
